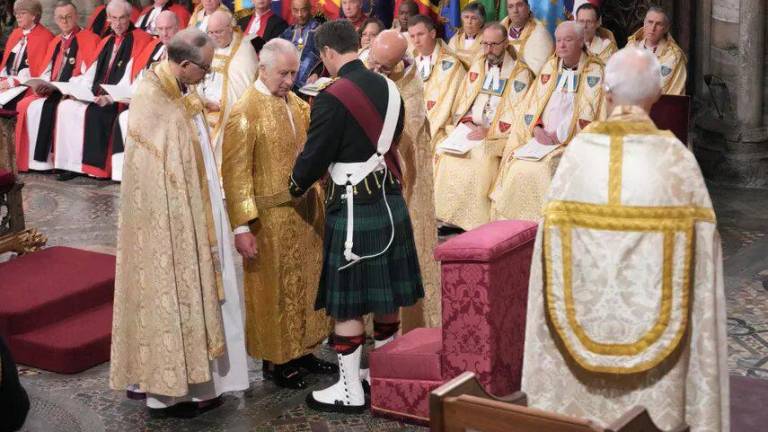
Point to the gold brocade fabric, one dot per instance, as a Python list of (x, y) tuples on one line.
[(626, 303), (534, 46), (281, 283), (466, 55), (440, 89), (674, 71), (418, 184), (603, 45), (167, 319), (522, 185)]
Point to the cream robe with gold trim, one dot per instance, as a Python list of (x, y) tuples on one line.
[(522, 185), (603, 45), (418, 190), (674, 70), (200, 20), (463, 182), (440, 88), (468, 54), (626, 302), (233, 69), (534, 45)]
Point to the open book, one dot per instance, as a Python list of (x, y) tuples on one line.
[(10, 94), (75, 90), (534, 151), (118, 93), (457, 142), (315, 88)]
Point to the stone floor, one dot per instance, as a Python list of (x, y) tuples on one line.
[(82, 213)]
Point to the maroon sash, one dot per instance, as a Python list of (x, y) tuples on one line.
[(367, 116)]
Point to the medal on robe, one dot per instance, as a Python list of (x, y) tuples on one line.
[(71, 60)]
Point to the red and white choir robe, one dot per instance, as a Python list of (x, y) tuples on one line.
[(84, 130), (151, 54), (99, 24), (24, 57), (65, 58), (149, 14)]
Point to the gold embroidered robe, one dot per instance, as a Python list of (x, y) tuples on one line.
[(198, 15), (674, 70), (629, 241), (281, 282), (603, 45), (418, 191), (166, 324), (522, 185), (440, 89), (466, 55), (535, 44), (463, 182)]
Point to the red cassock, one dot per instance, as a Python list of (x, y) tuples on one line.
[(63, 67), (181, 13), (143, 60), (37, 44), (99, 24)]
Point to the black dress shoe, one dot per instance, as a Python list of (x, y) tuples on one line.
[(288, 376), (445, 231), (134, 395), (315, 365), (266, 370), (66, 176), (193, 409)]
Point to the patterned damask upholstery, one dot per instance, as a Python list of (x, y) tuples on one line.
[(485, 288)]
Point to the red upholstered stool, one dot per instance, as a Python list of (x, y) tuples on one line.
[(56, 308), (484, 299)]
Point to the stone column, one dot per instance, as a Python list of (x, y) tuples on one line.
[(749, 102)]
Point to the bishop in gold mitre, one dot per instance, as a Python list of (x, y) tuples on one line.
[(280, 239), (388, 57), (564, 98), (599, 41), (654, 36), (235, 65), (496, 83), (440, 70), (466, 43), (626, 303), (527, 35)]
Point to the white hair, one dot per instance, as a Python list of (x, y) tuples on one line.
[(632, 76), (117, 5), (576, 26), (271, 49)]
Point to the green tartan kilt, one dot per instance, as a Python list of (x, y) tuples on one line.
[(376, 285)]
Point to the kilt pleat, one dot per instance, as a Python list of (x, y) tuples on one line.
[(377, 285)]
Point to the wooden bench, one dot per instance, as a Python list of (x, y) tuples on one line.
[(462, 405)]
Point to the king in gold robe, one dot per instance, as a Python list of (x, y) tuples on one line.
[(262, 138), (463, 182), (177, 323), (673, 62), (418, 191), (626, 304), (562, 102)]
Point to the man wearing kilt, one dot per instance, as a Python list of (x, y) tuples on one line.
[(370, 263)]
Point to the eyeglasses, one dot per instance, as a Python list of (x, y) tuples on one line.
[(490, 44), (205, 68)]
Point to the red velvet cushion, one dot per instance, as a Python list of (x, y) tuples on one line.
[(487, 242), (6, 178), (415, 355)]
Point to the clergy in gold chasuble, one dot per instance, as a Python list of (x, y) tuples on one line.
[(463, 182), (561, 104), (626, 304), (167, 326), (418, 190), (602, 45), (673, 62), (533, 43), (466, 47), (442, 73), (262, 137)]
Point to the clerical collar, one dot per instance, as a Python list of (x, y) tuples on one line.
[(72, 33), (514, 32), (26, 32), (261, 87), (351, 67)]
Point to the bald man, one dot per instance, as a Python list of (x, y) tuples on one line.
[(566, 97), (482, 114), (302, 36), (388, 51), (203, 12), (234, 68), (627, 201)]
